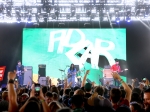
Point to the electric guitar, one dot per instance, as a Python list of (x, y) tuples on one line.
[(70, 74), (19, 73)]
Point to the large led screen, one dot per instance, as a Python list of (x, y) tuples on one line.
[(89, 49)]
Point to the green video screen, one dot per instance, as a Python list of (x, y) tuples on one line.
[(90, 49)]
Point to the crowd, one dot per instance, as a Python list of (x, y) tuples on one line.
[(87, 98)]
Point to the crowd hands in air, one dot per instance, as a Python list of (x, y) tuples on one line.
[(87, 98)]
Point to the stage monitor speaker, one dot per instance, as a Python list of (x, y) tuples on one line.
[(107, 73), (28, 75), (42, 70), (77, 67), (42, 81)]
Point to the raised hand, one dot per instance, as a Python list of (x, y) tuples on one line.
[(116, 75), (88, 71), (11, 75), (41, 96)]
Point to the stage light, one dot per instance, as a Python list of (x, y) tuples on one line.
[(29, 19), (78, 16), (45, 18), (88, 11), (92, 16), (117, 19), (18, 12), (73, 10), (53, 16), (38, 10), (57, 11), (146, 11), (67, 10), (37, 20), (1, 8), (137, 12), (18, 20), (128, 19), (128, 12), (8, 10), (18, 15), (68, 16)]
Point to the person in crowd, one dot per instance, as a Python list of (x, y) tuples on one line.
[(5, 101), (77, 103), (135, 107), (115, 93), (54, 106), (147, 99), (49, 97), (100, 91)]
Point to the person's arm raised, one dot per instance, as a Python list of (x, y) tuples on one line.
[(84, 78), (13, 105), (125, 86), (44, 104)]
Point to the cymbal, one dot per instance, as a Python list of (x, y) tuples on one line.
[(61, 70)]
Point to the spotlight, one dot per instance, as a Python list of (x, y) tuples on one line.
[(146, 11), (73, 10), (53, 16), (1, 8), (88, 11), (117, 19), (128, 12), (18, 16), (57, 11), (8, 10), (29, 19), (128, 19), (137, 12), (45, 18), (78, 16), (92, 16), (67, 16), (18, 20)]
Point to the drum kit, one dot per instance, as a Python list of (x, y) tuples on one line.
[(64, 74)]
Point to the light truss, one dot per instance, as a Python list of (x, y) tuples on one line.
[(73, 10)]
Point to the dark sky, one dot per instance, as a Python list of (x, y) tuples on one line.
[(138, 44)]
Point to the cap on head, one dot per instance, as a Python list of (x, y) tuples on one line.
[(116, 60)]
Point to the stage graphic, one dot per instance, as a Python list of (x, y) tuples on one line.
[(90, 49)]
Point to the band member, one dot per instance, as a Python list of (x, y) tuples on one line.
[(20, 72), (72, 74), (116, 68)]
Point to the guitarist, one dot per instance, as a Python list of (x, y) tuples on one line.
[(71, 75), (20, 73), (116, 68)]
